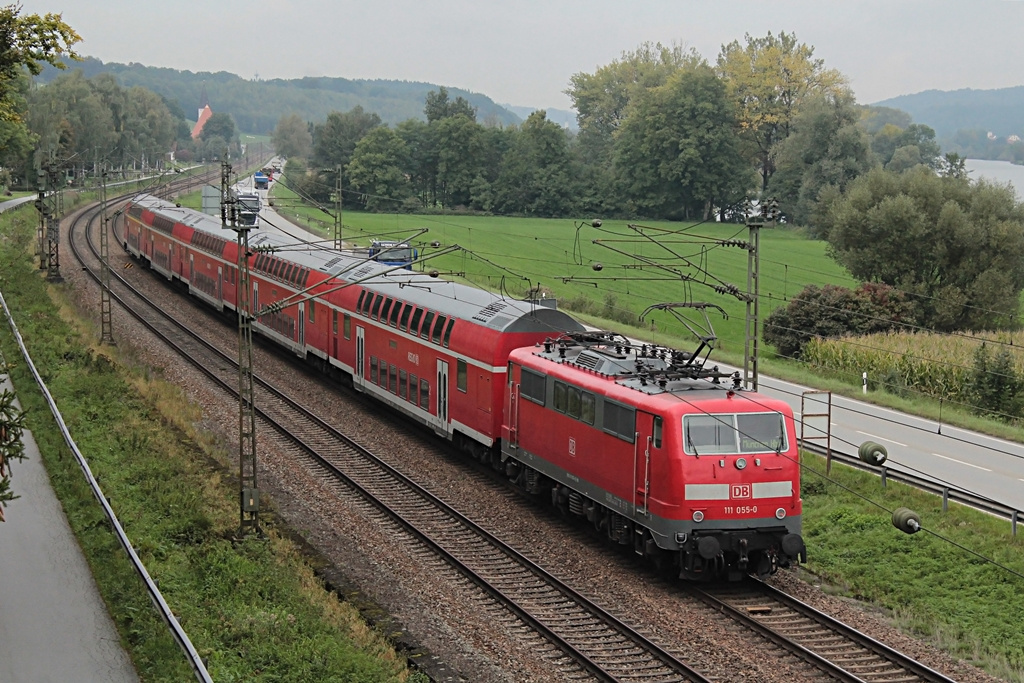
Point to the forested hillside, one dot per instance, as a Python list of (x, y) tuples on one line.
[(257, 106), (1000, 111)]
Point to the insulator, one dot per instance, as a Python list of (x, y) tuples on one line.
[(872, 453)]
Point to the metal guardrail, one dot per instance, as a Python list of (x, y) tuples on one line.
[(198, 667)]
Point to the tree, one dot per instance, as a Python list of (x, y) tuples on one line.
[(376, 170), (457, 141), (677, 154), (916, 141), (770, 79), (12, 423), (438, 106), (537, 177), (26, 41), (601, 100), (335, 140), (219, 134), (291, 137), (832, 312), (826, 149), (952, 165), (994, 385), (957, 244)]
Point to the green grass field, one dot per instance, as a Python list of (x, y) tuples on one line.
[(516, 254)]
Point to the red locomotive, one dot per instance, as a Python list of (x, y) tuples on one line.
[(645, 443)]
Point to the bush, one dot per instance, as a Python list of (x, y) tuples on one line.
[(830, 312)]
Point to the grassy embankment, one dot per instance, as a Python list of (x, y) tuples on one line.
[(931, 587), (254, 609)]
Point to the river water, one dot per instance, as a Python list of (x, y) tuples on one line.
[(998, 171)]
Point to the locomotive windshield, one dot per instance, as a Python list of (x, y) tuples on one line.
[(733, 434)]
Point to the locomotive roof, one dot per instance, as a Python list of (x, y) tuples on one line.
[(443, 296), (646, 368)]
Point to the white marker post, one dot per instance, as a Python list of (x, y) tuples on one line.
[(865, 382)]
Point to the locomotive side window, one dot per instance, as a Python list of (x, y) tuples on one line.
[(384, 309), (359, 302), (414, 389), (424, 394), (435, 336), (448, 332), (561, 399), (656, 436), (619, 420), (346, 326), (394, 313), (402, 383), (334, 322), (373, 369), (588, 408), (414, 326), (403, 323), (573, 409), (377, 300), (429, 318), (761, 432), (462, 375), (312, 310), (393, 379), (531, 385)]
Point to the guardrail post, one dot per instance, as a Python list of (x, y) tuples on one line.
[(945, 499), (1013, 522), (885, 471)]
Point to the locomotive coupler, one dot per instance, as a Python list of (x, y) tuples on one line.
[(743, 554)]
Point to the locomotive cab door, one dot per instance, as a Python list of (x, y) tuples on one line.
[(359, 371), (645, 448), (442, 425), (302, 329)]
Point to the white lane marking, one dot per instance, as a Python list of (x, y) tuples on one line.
[(979, 467), (882, 438)]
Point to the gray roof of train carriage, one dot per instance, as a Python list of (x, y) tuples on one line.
[(444, 296)]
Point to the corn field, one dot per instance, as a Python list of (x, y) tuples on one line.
[(937, 365)]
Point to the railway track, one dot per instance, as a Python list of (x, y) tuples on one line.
[(589, 643), (839, 651)]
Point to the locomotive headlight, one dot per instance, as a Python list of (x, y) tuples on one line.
[(780, 513), (741, 463), (698, 516)]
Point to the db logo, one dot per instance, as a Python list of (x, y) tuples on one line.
[(740, 491), (572, 446)]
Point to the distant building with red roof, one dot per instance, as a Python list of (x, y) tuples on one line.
[(204, 114)]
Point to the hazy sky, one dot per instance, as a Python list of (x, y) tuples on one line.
[(523, 52)]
